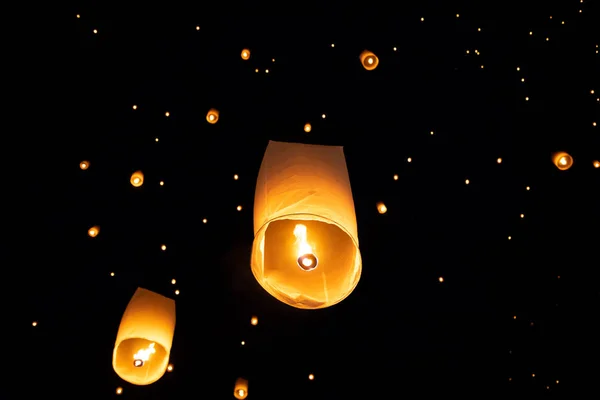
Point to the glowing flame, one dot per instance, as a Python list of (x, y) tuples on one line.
[(143, 355), (304, 251)]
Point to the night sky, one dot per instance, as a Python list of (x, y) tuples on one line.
[(479, 280)]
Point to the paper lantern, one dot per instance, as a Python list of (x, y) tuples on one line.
[(369, 60), (562, 160), (143, 346), (381, 208), (137, 179), (84, 165), (94, 231), (212, 116), (305, 251), (596, 164), (240, 390), (307, 128), (245, 54)]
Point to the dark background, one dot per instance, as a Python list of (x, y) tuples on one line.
[(507, 309)]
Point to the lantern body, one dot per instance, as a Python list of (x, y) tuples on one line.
[(137, 179), (212, 116), (84, 165), (94, 231), (562, 160), (149, 318), (369, 60), (307, 185), (245, 54), (240, 390)]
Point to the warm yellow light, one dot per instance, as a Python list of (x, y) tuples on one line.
[(562, 160), (94, 231), (84, 165), (395, 177), (240, 390), (34, 323), (499, 161), (163, 247), (161, 183), (381, 208), (167, 114), (369, 60), (239, 208), (467, 181), (409, 159), (307, 260), (236, 177), (212, 116), (135, 107), (311, 377), (177, 292), (173, 281), (204, 220), (254, 320), (119, 390), (307, 128), (441, 279), (245, 54), (143, 355), (197, 28), (596, 164), (170, 368), (137, 179)]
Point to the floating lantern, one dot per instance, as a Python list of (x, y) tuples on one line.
[(137, 179), (240, 390), (245, 54), (84, 165), (94, 231), (596, 164), (305, 251), (369, 60), (254, 320), (141, 352), (307, 128), (381, 208), (562, 160), (212, 116)]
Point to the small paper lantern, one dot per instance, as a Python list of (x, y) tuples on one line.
[(141, 352), (596, 164), (84, 165), (94, 231), (381, 208), (254, 320), (369, 60), (305, 251), (562, 160), (137, 179), (245, 54), (240, 390), (307, 128), (212, 116)]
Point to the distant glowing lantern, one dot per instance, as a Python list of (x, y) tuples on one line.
[(212, 116), (596, 164), (381, 208), (307, 128), (369, 60), (254, 320), (141, 352), (245, 54), (84, 165), (240, 390), (305, 251), (562, 160), (94, 231), (137, 179)]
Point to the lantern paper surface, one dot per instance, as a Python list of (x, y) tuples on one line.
[(240, 390), (306, 185), (143, 346)]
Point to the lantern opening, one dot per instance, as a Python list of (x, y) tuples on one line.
[(139, 358), (307, 261)]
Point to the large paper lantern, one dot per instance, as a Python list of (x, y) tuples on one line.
[(240, 390), (369, 60), (305, 251), (143, 346), (137, 179), (562, 160)]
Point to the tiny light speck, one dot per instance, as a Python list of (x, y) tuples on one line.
[(441, 279), (95, 31), (197, 28)]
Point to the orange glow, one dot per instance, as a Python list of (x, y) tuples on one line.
[(307, 128), (137, 179), (596, 164), (212, 116), (369, 60), (381, 208), (94, 231), (562, 160), (245, 54), (84, 165), (240, 390)]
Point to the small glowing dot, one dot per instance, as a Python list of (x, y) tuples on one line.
[(526, 98), (527, 188), (239, 208), (34, 323), (307, 128), (422, 19), (204, 221), (177, 292), (119, 390), (596, 164), (482, 67), (156, 139), (457, 15), (112, 274), (254, 321), (518, 68), (431, 133), (323, 116), (173, 281), (522, 79), (95, 31), (547, 39), (499, 160), (135, 107), (256, 70), (522, 216), (395, 49), (243, 343), (530, 33), (409, 159), (441, 279), (467, 181), (167, 114), (592, 91), (235, 177), (510, 238), (197, 28), (395, 177), (593, 124), (311, 377), (266, 71), (170, 368), (78, 16), (163, 247), (332, 44)]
